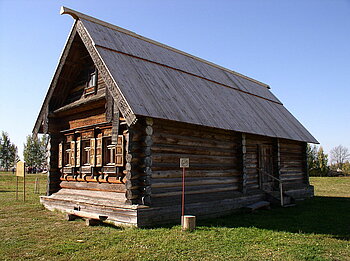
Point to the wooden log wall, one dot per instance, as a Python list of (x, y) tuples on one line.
[(215, 163), (139, 162), (252, 159), (293, 163), (53, 175)]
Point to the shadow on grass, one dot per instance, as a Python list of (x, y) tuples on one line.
[(319, 215)]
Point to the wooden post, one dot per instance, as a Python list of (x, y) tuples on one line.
[(24, 188), (21, 172), (281, 193), (184, 163), (36, 186), (16, 187), (189, 223), (183, 198)]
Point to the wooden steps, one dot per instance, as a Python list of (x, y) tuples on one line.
[(274, 197), (258, 205)]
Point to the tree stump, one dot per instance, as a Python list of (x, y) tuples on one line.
[(188, 223)]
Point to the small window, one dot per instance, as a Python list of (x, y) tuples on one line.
[(92, 80), (91, 84), (67, 155), (109, 151), (85, 149)]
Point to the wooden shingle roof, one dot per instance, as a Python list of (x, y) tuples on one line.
[(150, 79)]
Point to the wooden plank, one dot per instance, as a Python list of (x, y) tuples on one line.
[(200, 166), (195, 159), (93, 186), (174, 200), (165, 148), (189, 141), (162, 174), (203, 191), (168, 183)]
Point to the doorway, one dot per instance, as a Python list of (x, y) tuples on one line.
[(266, 170)]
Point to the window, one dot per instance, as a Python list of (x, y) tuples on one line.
[(85, 147), (67, 154), (92, 81), (109, 151), (91, 84)]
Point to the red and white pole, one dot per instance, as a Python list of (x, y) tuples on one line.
[(183, 196)]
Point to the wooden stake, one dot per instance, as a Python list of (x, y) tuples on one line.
[(24, 188), (16, 187), (36, 186), (183, 197)]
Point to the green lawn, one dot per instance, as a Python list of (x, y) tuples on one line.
[(316, 229)]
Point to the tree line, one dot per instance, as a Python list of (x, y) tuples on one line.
[(34, 153), (318, 164)]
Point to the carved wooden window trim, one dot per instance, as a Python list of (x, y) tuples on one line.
[(92, 152), (119, 151), (60, 155)]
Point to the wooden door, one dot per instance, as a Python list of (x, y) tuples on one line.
[(266, 167)]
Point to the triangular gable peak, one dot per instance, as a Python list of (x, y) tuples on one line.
[(78, 52)]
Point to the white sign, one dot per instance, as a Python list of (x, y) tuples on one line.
[(184, 162), (20, 169)]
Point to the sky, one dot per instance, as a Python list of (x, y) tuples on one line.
[(300, 48)]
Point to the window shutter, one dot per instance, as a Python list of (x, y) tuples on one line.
[(119, 152), (72, 155), (99, 150), (92, 152), (78, 153), (60, 154)]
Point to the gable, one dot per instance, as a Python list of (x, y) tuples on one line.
[(74, 76)]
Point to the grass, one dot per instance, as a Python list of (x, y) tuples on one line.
[(316, 229)]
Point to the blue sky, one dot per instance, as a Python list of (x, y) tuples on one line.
[(300, 48)]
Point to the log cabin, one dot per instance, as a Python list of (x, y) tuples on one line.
[(122, 109)]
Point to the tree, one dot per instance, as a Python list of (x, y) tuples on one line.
[(317, 161), (34, 152), (322, 161), (311, 152), (346, 167), (8, 152), (339, 155)]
